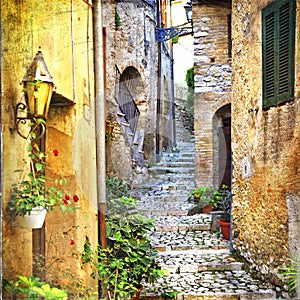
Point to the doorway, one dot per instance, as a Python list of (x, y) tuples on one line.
[(222, 147)]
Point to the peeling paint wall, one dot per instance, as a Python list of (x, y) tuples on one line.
[(265, 147), (64, 31)]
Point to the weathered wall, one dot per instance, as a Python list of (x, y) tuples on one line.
[(265, 151), (212, 69), (28, 25), (132, 44)]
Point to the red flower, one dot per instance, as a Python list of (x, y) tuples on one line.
[(75, 198), (67, 197), (65, 201), (55, 152), (72, 242)]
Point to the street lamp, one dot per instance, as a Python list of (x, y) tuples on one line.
[(38, 88), (164, 34), (189, 12)]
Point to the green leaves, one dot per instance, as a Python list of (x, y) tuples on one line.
[(35, 189), (290, 274), (33, 288), (129, 259)]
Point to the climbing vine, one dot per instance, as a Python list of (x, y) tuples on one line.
[(189, 79)]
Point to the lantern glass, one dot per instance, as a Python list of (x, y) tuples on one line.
[(38, 96), (188, 12)]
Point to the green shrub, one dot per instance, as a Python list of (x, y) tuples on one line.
[(34, 289), (129, 259), (116, 187)]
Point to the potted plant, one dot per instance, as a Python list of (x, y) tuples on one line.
[(208, 198), (224, 221), (34, 194)]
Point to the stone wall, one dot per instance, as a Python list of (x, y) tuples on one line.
[(28, 25), (131, 44), (212, 69), (265, 147)]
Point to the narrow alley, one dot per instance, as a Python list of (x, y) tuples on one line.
[(109, 108), (198, 263)]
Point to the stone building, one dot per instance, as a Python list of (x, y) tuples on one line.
[(265, 132), (247, 103), (212, 104), (64, 31), (138, 86), (111, 111)]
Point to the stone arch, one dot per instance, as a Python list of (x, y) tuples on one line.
[(222, 161), (136, 86), (134, 83)]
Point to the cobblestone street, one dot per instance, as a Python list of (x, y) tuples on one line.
[(198, 263)]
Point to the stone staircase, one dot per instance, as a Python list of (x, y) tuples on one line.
[(197, 263)]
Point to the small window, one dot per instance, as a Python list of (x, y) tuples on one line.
[(278, 42)]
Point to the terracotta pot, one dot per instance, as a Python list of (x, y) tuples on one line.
[(225, 229), (137, 294), (207, 209)]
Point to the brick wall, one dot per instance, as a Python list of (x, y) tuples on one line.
[(212, 70)]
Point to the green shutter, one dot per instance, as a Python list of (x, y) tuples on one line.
[(269, 59), (278, 20)]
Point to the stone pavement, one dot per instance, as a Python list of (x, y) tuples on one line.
[(198, 263)]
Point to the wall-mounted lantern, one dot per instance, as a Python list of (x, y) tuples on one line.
[(189, 12), (164, 34), (38, 88)]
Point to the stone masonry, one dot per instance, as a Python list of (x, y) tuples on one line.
[(212, 69), (265, 145), (197, 263)]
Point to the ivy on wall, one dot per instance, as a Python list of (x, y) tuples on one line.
[(189, 79)]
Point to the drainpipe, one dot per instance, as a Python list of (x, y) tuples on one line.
[(99, 120), (173, 98), (157, 139)]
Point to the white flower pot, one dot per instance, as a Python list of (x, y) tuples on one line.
[(35, 220)]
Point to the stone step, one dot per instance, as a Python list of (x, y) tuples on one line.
[(169, 197), (198, 261), (187, 240), (182, 221), (161, 169), (266, 294), (181, 154), (174, 164), (176, 228), (190, 282), (163, 212), (176, 177)]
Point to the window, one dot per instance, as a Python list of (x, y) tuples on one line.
[(278, 42)]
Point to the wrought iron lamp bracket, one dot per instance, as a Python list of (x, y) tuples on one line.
[(165, 34), (28, 120)]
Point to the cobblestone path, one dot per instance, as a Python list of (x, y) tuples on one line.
[(198, 263)]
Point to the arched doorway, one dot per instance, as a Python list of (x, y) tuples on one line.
[(133, 103), (222, 146)]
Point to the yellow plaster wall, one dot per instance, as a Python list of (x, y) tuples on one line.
[(64, 31), (265, 152)]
